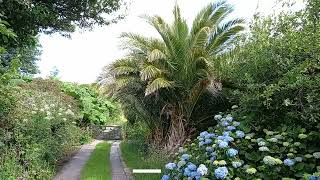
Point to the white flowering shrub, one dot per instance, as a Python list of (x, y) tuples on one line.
[(231, 151), (39, 131)]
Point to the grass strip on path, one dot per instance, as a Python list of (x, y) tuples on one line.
[(136, 159), (98, 166)]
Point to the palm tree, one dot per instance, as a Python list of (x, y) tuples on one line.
[(177, 68)]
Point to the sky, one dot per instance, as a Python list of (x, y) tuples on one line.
[(81, 58)]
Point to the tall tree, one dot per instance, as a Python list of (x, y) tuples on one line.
[(176, 69), (28, 18)]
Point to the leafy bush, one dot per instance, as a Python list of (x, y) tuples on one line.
[(138, 133), (38, 131), (276, 71), (95, 109), (233, 151)]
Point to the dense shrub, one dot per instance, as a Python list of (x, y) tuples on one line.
[(38, 131), (276, 70), (95, 109), (233, 151), (138, 133)]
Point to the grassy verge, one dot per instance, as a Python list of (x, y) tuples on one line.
[(98, 166), (136, 159)]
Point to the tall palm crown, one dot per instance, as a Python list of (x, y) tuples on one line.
[(178, 66)]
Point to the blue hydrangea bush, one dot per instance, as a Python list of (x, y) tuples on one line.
[(232, 151)]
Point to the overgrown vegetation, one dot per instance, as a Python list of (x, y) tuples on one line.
[(41, 126), (274, 77), (95, 109), (169, 90), (41, 121), (173, 86), (160, 81), (230, 152), (276, 72)]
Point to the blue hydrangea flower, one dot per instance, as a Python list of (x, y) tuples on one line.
[(212, 158), (195, 174), (228, 138), (185, 157), (209, 149), (223, 144), (229, 118), (192, 167), (207, 141), (240, 134), (236, 164), (187, 172), (225, 137), (231, 128), (165, 177), (202, 170), (232, 152), (224, 123), (203, 134), (201, 143), (210, 135), (226, 133), (288, 162), (221, 172), (220, 138), (313, 177), (171, 166)]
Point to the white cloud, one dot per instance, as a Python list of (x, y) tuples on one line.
[(82, 58)]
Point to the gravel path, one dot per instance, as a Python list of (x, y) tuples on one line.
[(119, 169), (71, 170)]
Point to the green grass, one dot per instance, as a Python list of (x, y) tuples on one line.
[(135, 159), (98, 166)]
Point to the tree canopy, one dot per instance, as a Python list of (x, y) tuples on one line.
[(28, 18)]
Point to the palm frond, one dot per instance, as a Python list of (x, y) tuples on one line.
[(201, 38), (163, 29), (123, 81), (224, 33), (209, 17), (157, 84), (149, 71), (156, 55)]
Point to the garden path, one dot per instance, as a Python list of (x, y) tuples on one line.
[(118, 167), (72, 170)]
